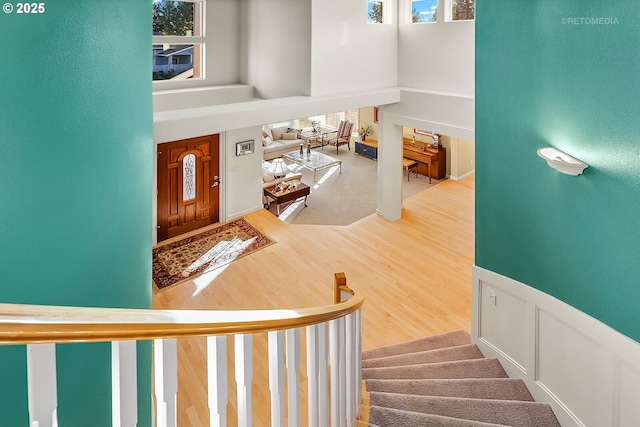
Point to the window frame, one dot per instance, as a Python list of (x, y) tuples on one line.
[(422, 22), (198, 42)]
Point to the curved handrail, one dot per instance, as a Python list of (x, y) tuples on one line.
[(32, 324)]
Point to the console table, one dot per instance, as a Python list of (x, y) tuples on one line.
[(432, 162), (367, 148)]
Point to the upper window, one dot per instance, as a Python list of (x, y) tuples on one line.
[(424, 11), (463, 10), (375, 11), (178, 43)]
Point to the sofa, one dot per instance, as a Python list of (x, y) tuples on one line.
[(280, 140), (269, 180)]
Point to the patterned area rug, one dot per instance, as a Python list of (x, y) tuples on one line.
[(181, 260)]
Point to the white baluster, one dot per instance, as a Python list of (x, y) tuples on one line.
[(276, 377), (342, 358), (334, 346), (41, 379), (293, 376), (244, 372), (165, 366), (350, 395), (312, 375), (323, 378), (358, 361), (124, 384), (217, 380)]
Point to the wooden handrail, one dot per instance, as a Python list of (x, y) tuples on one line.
[(32, 324)]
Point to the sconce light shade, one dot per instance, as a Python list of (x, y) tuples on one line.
[(562, 162)]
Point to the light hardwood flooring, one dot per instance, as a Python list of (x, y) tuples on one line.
[(415, 274)]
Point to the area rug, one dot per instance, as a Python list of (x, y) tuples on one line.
[(183, 259)]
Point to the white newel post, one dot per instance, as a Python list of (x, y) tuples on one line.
[(124, 384), (165, 366), (312, 375), (337, 337), (41, 379), (244, 372), (293, 376), (276, 377), (217, 380)]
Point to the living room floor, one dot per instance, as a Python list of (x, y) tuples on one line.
[(342, 199)]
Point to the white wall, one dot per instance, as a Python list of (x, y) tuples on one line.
[(437, 56), (279, 47), (348, 54), (242, 177)]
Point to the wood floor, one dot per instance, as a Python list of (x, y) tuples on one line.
[(415, 274)]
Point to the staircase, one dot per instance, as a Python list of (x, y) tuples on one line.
[(444, 380)]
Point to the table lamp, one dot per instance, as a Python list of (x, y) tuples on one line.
[(278, 169)]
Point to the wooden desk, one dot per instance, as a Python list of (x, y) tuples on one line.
[(432, 162)]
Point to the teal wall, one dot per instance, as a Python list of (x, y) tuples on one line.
[(75, 185), (546, 78)]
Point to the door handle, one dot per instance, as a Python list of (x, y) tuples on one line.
[(215, 184)]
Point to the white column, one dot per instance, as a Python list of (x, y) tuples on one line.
[(124, 384), (293, 376), (41, 380), (276, 377), (350, 366), (217, 380), (165, 366), (389, 171), (358, 361), (244, 373)]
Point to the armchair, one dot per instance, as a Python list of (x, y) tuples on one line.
[(343, 135)]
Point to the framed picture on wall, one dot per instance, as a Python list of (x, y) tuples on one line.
[(423, 132), (244, 147)]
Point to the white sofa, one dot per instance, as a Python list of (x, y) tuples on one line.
[(280, 140)]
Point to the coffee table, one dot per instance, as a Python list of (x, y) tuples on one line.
[(315, 162), (288, 194)]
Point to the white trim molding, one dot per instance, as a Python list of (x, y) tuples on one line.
[(588, 372)]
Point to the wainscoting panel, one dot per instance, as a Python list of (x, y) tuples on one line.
[(588, 372), (564, 353), (502, 314)]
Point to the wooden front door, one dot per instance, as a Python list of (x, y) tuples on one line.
[(188, 185)]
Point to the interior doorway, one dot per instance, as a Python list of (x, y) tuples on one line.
[(188, 185)]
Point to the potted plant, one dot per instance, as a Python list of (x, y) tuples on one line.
[(363, 132)]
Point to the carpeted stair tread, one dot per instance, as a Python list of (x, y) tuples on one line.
[(460, 352), (389, 417), (448, 339), (475, 368), (506, 412), (476, 388)]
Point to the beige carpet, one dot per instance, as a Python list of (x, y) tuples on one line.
[(443, 380), (342, 199)]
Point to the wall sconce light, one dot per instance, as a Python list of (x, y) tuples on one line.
[(562, 162)]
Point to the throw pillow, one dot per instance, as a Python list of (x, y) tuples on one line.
[(267, 133), (290, 136), (266, 141), (276, 133)]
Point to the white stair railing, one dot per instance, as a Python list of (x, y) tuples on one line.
[(333, 344)]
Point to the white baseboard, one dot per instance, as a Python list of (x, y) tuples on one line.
[(460, 178), (588, 372)]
